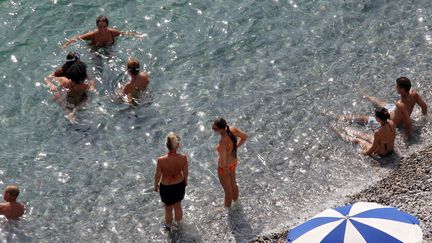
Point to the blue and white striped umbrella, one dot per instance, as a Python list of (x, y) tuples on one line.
[(357, 223)]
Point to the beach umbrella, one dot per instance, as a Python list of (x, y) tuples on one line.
[(356, 223)]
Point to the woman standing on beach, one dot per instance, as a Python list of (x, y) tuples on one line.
[(102, 36), (172, 174), (227, 158)]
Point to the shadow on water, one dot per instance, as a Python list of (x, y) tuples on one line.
[(184, 233), (239, 225), (11, 232)]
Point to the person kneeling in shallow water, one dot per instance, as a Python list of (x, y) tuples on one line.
[(172, 174), (11, 209), (139, 80), (381, 143)]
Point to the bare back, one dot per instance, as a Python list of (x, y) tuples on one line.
[(12, 210), (385, 137), (405, 106), (172, 167), (137, 84)]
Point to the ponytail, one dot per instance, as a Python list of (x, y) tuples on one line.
[(233, 139)]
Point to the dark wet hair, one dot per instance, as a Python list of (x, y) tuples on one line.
[(70, 59), (222, 124), (382, 113), (77, 72), (404, 83), (133, 66), (102, 18), (13, 190)]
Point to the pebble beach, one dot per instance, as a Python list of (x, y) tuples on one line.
[(408, 188)]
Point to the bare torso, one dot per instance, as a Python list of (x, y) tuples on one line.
[(386, 135), (406, 103), (138, 83)]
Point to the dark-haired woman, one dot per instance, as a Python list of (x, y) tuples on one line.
[(138, 82), (102, 36), (71, 58), (382, 142), (227, 158), (171, 179), (74, 86)]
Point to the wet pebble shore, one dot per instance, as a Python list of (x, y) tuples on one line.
[(408, 188)]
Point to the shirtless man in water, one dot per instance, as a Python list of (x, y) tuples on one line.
[(400, 113), (11, 209)]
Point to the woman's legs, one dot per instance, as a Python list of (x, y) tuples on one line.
[(225, 180), (168, 214), (234, 186), (178, 212)]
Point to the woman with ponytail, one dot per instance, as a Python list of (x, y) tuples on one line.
[(382, 142), (171, 179), (138, 82), (227, 158)]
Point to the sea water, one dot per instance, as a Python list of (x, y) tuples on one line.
[(270, 67)]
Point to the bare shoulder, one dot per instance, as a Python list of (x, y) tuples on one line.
[(115, 31)]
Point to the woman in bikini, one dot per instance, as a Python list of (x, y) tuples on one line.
[(171, 179), (102, 36), (138, 82), (227, 158), (381, 143)]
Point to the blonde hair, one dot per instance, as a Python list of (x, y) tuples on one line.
[(173, 140)]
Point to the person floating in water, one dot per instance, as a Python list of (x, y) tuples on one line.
[(171, 178), (381, 143), (138, 82), (227, 158), (76, 89), (102, 36), (399, 113), (11, 209)]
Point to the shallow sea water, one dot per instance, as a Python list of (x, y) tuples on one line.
[(269, 67)]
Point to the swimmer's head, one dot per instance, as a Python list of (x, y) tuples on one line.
[(173, 141), (382, 113), (72, 56), (133, 66), (219, 123), (403, 83), (11, 193), (77, 72), (102, 21)]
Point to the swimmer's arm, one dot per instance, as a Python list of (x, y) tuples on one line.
[(157, 177), (129, 33), (86, 36), (185, 171), (406, 119), (48, 82), (421, 103), (239, 133), (64, 82), (372, 149)]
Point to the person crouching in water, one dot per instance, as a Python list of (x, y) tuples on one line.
[(171, 179), (138, 82), (382, 142), (227, 161), (76, 88), (11, 209)]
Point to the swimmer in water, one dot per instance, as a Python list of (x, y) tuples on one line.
[(71, 58), (227, 158), (76, 89), (11, 209), (138, 82), (382, 141), (102, 36), (171, 179)]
